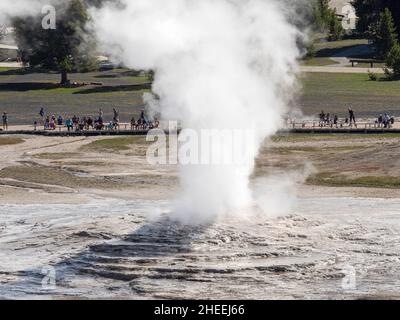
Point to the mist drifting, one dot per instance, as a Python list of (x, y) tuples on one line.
[(219, 64), (12, 8)]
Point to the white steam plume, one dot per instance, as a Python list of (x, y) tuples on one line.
[(12, 8), (220, 64)]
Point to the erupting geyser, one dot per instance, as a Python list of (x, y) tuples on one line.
[(219, 64)]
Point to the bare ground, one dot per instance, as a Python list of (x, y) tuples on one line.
[(97, 215), (106, 164)]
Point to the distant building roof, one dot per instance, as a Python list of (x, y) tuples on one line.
[(346, 12), (340, 6)]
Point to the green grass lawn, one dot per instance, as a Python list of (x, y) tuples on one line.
[(333, 92), (5, 69), (318, 61), (23, 92)]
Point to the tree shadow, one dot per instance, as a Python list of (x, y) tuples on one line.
[(332, 52), (117, 74), (119, 88), (107, 76), (82, 89), (25, 71), (28, 86)]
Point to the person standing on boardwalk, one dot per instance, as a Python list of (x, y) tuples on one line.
[(5, 121), (60, 120), (116, 119), (42, 113), (69, 124), (352, 117), (143, 119), (335, 120), (321, 118), (133, 123)]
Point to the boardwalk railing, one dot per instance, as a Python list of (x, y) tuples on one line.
[(295, 126), (315, 124)]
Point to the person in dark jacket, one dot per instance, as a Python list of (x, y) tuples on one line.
[(5, 121), (352, 117)]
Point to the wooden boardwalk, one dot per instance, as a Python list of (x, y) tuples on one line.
[(86, 133), (366, 126), (94, 133), (343, 130), (304, 127)]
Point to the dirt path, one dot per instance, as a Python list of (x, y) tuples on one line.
[(11, 154), (8, 47), (334, 69), (11, 65)]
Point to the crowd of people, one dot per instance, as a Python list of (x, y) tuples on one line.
[(334, 121), (384, 121), (326, 120), (76, 123)]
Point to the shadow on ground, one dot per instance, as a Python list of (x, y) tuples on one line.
[(28, 86), (118, 88), (355, 51), (152, 252), (24, 71), (32, 86)]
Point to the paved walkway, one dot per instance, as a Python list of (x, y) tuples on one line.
[(333, 69), (8, 47), (11, 65)]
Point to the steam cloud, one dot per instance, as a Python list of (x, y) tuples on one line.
[(219, 64), (11, 8)]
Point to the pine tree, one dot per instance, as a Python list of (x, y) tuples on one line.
[(384, 34), (368, 13), (326, 20), (335, 27), (63, 49), (393, 61)]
